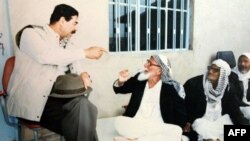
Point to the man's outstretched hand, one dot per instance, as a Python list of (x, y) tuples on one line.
[(94, 52)]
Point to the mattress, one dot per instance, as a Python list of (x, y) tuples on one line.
[(105, 129)]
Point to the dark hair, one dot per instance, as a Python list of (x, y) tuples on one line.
[(63, 10)]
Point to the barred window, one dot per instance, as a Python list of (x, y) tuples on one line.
[(148, 25)]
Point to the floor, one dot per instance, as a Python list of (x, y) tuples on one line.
[(105, 131)]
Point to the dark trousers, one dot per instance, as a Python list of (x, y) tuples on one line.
[(73, 118)]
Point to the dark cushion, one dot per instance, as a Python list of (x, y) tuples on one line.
[(227, 56)]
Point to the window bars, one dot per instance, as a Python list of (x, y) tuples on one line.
[(148, 25)]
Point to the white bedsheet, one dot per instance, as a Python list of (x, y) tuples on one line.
[(105, 129)]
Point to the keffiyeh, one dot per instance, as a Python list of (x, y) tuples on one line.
[(217, 93), (166, 75), (214, 96)]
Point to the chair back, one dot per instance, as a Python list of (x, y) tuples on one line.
[(227, 56), (8, 69)]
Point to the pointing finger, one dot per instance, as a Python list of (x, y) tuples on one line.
[(103, 50)]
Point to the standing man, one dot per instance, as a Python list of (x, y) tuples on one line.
[(243, 72), (44, 54)]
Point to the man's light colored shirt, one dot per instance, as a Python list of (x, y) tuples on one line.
[(38, 62)]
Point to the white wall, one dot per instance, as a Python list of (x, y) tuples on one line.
[(217, 25), (220, 25)]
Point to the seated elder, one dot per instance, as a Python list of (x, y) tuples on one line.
[(243, 72), (156, 110), (211, 104)]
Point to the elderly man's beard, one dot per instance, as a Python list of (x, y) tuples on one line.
[(144, 75), (243, 69)]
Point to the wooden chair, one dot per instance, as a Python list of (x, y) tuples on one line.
[(34, 126)]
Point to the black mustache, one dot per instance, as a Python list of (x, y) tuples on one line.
[(73, 32)]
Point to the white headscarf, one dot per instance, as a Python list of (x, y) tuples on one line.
[(166, 75), (216, 94), (244, 76), (247, 54)]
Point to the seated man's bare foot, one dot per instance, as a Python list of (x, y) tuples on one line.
[(123, 139)]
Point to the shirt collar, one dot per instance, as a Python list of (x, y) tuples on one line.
[(51, 31), (156, 86)]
